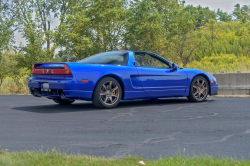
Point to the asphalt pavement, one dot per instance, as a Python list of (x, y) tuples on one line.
[(149, 128)]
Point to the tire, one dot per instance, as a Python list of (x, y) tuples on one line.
[(63, 101), (198, 90), (105, 96)]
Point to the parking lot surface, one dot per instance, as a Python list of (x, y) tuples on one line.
[(148, 128)]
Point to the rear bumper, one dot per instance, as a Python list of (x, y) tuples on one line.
[(69, 94), (57, 85), (55, 82)]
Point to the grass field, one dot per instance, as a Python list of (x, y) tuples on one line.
[(57, 159)]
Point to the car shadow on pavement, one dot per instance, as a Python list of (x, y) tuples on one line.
[(88, 106)]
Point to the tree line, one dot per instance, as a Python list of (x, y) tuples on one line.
[(181, 33)]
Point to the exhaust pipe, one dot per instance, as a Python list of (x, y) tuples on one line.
[(63, 96), (33, 93)]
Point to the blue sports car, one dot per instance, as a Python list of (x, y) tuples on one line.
[(109, 77)]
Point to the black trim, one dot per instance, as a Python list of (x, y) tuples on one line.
[(37, 91)]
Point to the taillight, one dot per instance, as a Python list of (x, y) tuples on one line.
[(33, 69), (51, 70)]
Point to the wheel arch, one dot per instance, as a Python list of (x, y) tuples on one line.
[(116, 77), (206, 77)]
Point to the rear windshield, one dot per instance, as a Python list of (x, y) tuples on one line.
[(114, 58)]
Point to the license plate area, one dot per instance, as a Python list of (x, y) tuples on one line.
[(45, 87)]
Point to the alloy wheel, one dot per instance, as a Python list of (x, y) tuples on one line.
[(109, 93), (200, 89)]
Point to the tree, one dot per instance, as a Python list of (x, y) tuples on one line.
[(6, 33), (184, 39), (147, 25), (23, 12), (144, 27), (223, 16), (202, 15), (241, 13), (93, 26), (6, 37)]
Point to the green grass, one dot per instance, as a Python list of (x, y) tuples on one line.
[(56, 158)]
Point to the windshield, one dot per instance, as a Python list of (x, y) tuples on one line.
[(114, 58)]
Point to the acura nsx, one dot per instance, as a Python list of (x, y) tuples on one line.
[(109, 77)]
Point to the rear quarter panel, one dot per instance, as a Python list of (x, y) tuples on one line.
[(93, 73)]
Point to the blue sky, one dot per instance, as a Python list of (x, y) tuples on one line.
[(225, 5)]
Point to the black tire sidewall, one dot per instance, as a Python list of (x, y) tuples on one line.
[(97, 101)]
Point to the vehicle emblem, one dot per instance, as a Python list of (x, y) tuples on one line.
[(47, 71)]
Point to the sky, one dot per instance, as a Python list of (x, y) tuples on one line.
[(224, 5)]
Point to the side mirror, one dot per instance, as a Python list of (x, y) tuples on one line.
[(174, 66)]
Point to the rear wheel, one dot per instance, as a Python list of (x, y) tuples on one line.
[(107, 93), (199, 89), (63, 101)]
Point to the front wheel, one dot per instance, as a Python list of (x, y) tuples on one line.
[(63, 101), (199, 89), (107, 93)]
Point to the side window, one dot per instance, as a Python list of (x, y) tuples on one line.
[(149, 61)]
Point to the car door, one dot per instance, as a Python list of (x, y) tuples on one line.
[(157, 77)]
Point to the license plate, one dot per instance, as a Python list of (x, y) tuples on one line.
[(45, 85)]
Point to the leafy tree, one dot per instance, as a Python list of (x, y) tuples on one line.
[(147, 25), (223, 16), (23, 13), (144, 27), (241, 13), (6, 37), (184, 39), (202, 15), (6, 32), (93, 26)]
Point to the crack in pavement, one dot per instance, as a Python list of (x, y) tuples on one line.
[(132, 147), (128, 148), (192, 105), (150, 141), (199, 117), (221, 140), (171, 118), (131, 111)]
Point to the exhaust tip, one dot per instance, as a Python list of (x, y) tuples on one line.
[(62, 95)]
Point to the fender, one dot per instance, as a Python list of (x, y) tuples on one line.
[(192, 73)]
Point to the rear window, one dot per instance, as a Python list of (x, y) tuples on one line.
[(113, 58)]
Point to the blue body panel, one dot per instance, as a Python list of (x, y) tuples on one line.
[(137, 82), (157, 81)]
